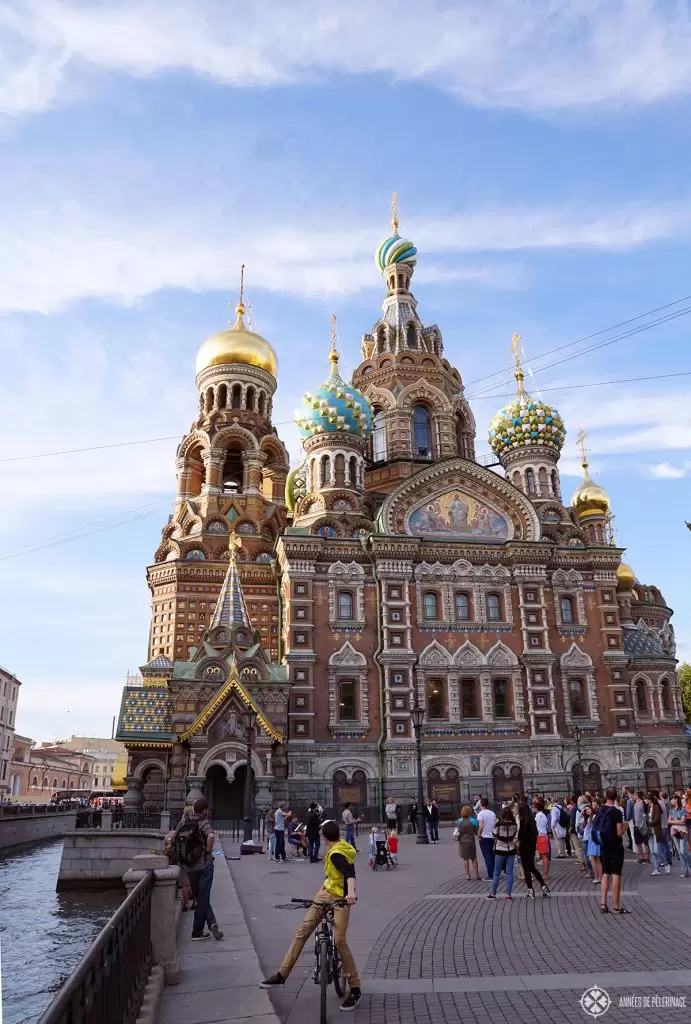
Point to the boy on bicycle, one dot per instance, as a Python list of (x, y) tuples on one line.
[(339, 883)]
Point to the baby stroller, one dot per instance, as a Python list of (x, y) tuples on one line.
[(382, 857)]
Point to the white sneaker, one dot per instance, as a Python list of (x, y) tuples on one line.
[(667, 869), (654, 872)]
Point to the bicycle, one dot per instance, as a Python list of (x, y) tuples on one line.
[(327, 961)]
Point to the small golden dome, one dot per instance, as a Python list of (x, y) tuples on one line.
[(589, 498), (237, 345), (626, 577)]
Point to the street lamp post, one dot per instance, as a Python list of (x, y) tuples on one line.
[(417, 715), (249, 719), (577, 736)]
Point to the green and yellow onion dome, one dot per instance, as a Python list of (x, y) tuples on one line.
[(334, 406), (395, 250), (526, 423)]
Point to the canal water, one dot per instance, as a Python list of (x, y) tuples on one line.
[(43, 934)]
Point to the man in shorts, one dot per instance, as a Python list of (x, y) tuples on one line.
[(611, 828)]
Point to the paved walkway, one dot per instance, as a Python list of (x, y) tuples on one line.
[(219, 981), (430, 948)]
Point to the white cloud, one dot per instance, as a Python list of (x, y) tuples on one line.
[(666, 471), (530, 54)]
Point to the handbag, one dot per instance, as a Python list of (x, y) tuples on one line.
[(456, 833)]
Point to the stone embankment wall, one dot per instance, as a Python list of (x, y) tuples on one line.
[(17, 830), (95, 859)]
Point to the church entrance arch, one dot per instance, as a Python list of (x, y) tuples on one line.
[(153, 790), (226, 796), (446, 790), (504, 786), (651, 772), (353, 792)]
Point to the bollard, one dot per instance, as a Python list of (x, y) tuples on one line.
[(163, 917), (165, 821)]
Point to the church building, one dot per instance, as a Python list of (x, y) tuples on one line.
[(391, 567)]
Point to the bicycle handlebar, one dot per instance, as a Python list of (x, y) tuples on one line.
[(320, 903)]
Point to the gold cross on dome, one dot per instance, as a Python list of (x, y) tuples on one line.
[(394, 213), (580, 441), (516, 352), (234, 544)]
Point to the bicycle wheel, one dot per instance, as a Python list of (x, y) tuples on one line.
[(323, 976), (339, 979)]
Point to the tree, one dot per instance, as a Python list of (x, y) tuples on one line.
[(685, 688)]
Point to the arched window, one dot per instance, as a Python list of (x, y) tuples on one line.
[(222, 396), (345, 605), (530, 481), (379, 437), (422, 433), (411, 340), (431, 606), (55, 783), (517, 478), (577, 698), (469, 698), (651, 773), (666, 696), (501, 698), (542, 479), (232, 471), (64, 784), (347, 710), (209, 399), (566, 605), (494, 607), (236, 396), (353, 471), (34, 781), (325, 470), (339, 470), (555, 483), (435, 698), (261, 403), (462, 602), (677, 774), (641, 697)]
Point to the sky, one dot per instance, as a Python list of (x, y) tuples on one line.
[(540, 150)]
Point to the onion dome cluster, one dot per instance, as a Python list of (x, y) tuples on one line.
[(524, 423), (334, 406), (395, 250)]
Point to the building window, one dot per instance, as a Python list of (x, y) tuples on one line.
[(394, 593), (431, 606), (468, 698), (399, 678), (422, 433), (435, 698), (666, 698), (462, 607), (530, 481), (535, 640), (345, 605), (501, 698), (379, 437), (566, 605), (401, 729), (530, 596), (346, 701), (577, 698), (641, 701), (494, 607)]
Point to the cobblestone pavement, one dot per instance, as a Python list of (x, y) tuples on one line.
[(431, 948)]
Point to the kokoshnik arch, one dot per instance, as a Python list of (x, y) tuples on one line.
[(390, 568)]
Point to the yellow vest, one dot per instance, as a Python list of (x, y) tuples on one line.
[(334, 880)]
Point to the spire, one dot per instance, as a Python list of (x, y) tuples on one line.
[(333, 353), (516, 351), (239, 324), (580, 441), (231, 609), (394, 213)]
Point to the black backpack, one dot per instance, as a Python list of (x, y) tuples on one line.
[(564, 819), (188, 845)]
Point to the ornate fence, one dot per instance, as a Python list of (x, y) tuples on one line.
[(108, 985)]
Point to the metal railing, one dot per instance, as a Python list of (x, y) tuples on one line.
[(24, 810), (108, 985), (120, 819)]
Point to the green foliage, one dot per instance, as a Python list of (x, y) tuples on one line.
[(685, 688)]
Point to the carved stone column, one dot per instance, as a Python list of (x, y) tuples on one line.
[(252, 477), (213, 465)]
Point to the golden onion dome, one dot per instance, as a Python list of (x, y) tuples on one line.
[(237, 345), (590, 498), (626, 577)]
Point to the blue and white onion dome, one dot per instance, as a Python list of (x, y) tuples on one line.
[(526, 422), (334, 406), (395, 250)]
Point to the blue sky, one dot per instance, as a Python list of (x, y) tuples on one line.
[(540, 150)]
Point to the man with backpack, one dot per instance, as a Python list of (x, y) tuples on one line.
[(193, 849), (608, 828), (559, 820)]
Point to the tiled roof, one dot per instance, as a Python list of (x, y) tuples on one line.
[(230, 608), (641, 643), (145, 715), (160, 661)]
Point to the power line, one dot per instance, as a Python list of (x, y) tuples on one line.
[(86, 532), (587, 337), (591, 384), (92, 448)]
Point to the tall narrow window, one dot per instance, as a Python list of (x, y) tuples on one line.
[(346, 701), (410, 336), (431, 606), (666, 697), (566, 604), (530, 481), (468, 698), (641, 702), (577, 697), (494, 607), (422, 433), (462, 607), (435, 698), (325, 470), (236, 396), (555, 484), (379, 437), (501, 698), (345, 605)]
